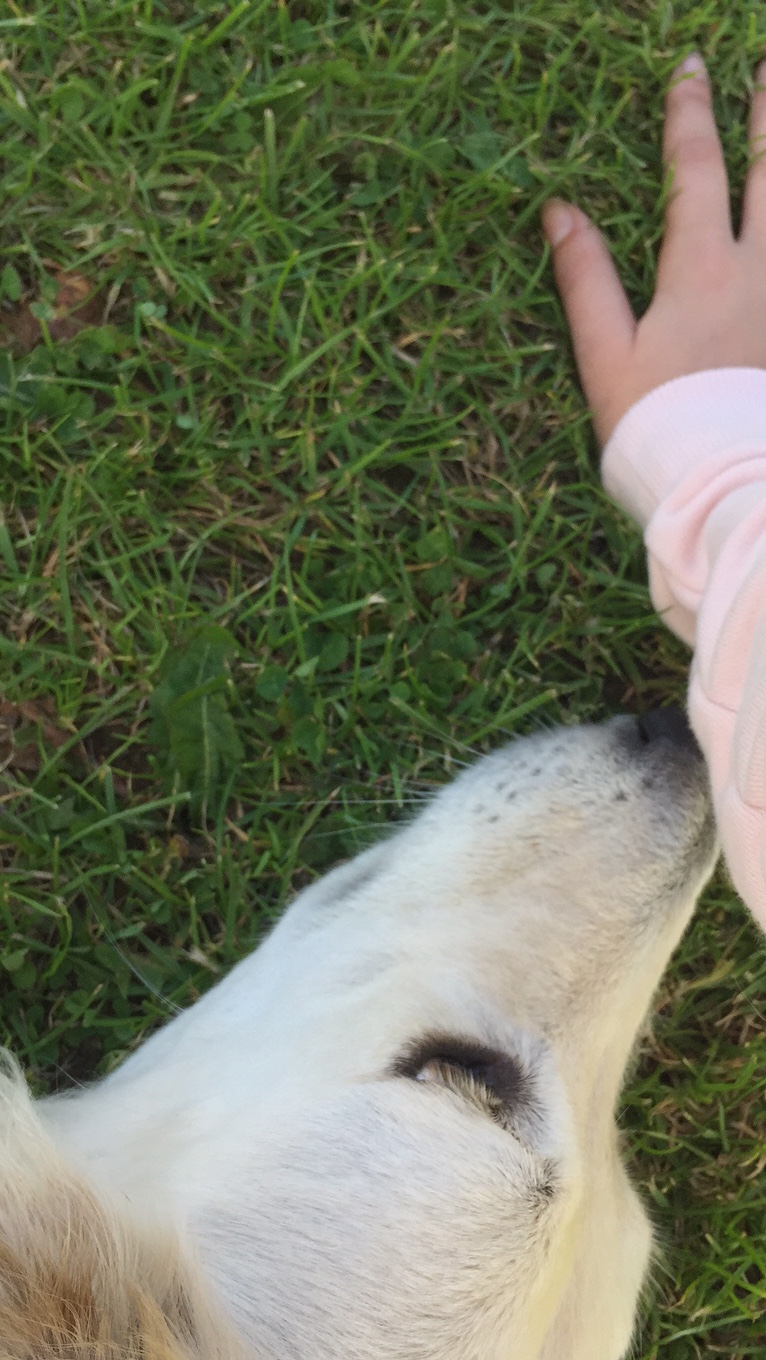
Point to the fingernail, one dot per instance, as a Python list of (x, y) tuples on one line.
[(693, 65), (760, 74), (558, 221)]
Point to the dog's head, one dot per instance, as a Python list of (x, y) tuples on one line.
[(391, 1130), (445, 1026)]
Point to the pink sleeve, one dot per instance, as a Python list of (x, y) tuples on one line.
[(688, 461)]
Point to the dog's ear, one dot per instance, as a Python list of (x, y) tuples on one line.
[(76, 1277), (81, 1298)]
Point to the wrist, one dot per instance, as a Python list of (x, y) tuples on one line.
[(679, 427)]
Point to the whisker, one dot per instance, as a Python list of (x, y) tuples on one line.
[(364, 829), (70, 1080), (136, 971), (448, 740)]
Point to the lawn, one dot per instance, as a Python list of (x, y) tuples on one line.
[(300, 508)]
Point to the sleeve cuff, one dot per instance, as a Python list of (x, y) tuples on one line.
[(717, 416)]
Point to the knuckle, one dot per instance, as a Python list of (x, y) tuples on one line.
[(715, 273), (696, 151), (690, 91)]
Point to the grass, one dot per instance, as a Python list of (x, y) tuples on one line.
[(300, 507)]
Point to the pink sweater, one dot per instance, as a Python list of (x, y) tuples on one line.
[(688, 461)]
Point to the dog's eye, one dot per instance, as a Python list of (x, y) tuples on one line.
[(488, 1078)]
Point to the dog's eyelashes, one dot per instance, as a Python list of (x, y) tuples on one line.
[(468, 1083), (488, 1078)]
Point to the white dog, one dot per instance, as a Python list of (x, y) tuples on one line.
[(389, 1134)]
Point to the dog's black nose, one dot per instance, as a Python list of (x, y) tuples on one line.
[(668, 723)]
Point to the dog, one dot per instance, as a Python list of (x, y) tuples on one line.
[(389, 1133)]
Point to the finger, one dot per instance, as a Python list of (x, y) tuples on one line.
[(697, 218), (754, 205), (598, 312)]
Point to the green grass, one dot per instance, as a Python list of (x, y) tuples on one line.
[(326, 403)]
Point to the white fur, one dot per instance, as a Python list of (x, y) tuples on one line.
[(344, 1212)]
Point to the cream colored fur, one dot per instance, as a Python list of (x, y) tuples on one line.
[(78, 1280), (350, 1196)]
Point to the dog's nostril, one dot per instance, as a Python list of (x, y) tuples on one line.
[(643, 729), (669, 723)]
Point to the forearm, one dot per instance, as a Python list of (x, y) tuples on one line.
[(689, 463)]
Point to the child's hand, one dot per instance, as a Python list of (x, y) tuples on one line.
[(709, 305)]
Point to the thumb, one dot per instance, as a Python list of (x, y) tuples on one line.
[(600, 317)]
